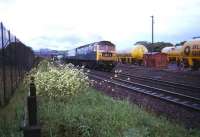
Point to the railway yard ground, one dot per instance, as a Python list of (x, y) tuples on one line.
[(171, 73)]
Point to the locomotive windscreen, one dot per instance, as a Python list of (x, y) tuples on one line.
[(106, 46)]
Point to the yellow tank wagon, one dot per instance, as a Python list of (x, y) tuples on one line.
[(174, 53), (188, 54), (134, 55), (191, 54)]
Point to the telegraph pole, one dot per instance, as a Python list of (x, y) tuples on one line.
[(152, 17)]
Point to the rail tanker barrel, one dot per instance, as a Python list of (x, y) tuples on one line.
[(132, 55), (138, 51), (192, 49), (166, 50), (191, 53), (176, 51)]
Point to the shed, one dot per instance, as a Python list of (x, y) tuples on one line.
[(155, 59)]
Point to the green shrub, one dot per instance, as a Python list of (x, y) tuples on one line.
[(60, 81)]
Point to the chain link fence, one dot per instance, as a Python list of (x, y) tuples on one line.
[(15, 60)]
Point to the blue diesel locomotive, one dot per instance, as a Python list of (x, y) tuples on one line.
[(97, 55)]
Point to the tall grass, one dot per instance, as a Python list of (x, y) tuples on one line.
[(95, 115), (11, 115)]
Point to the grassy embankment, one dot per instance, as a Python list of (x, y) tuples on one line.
[(11, 115), (95, 115)]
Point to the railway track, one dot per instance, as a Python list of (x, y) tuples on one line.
[(192, 77), (188, 88), (186, 101)]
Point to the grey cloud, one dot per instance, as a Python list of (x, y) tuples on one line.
[(71, 39), (64, 42), (7, 1)]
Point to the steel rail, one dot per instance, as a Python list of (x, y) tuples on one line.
[(194, 104), (163, 82)]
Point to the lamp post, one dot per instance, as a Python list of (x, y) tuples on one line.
[(152, 35)]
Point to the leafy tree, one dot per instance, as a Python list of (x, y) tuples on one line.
[(155, 47), (181, 43)]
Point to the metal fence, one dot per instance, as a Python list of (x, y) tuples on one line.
[(15, 60)]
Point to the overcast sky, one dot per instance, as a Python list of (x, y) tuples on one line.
[(65, 24)]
